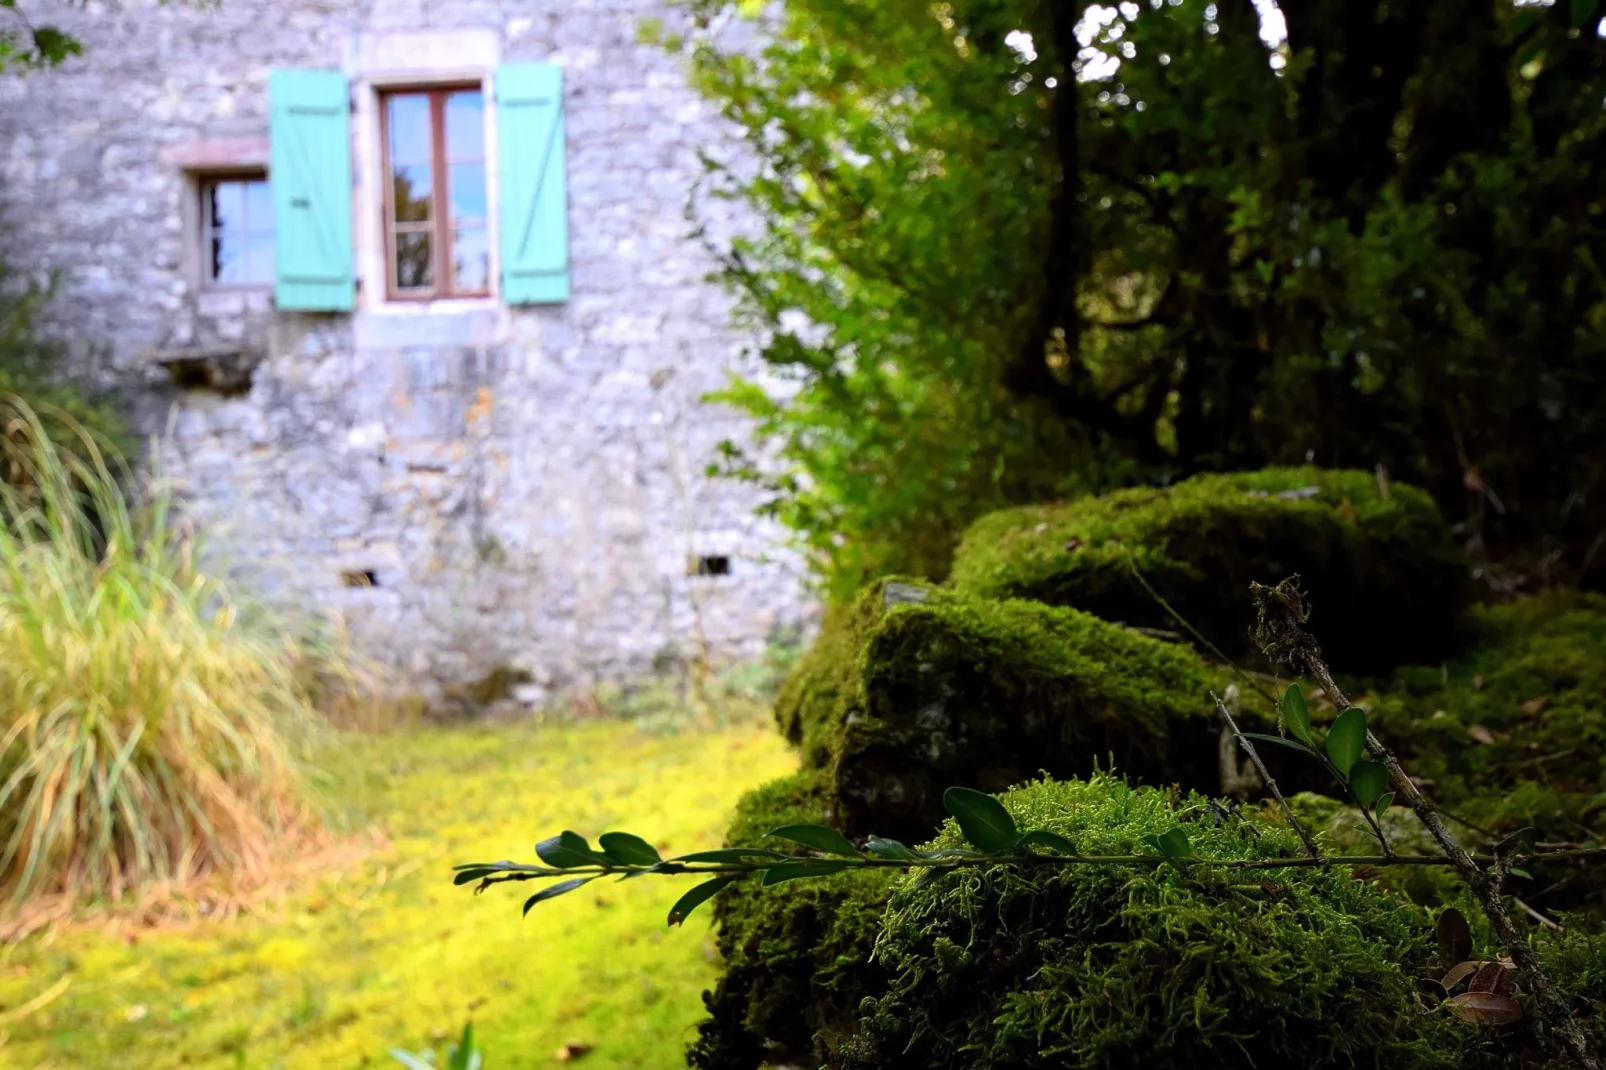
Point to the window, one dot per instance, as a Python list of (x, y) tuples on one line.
[(237, 231), (437, 238)]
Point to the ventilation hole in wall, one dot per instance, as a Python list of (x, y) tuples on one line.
[(361, 577), (716, 565)]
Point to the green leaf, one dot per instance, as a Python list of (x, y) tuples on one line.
[(567, 850), (696, 897), (1261, 737), (982, 819), (1368, 780), (1296, 714), (1518, 844), (1173, 843), (1517, 871), (1522, 20), (629, 850), (1382, 805), (1581, 10), (791, 871), (730, 854), (555, 890), (1051, 840), (826, 840), (882, 848), (1346, 740)]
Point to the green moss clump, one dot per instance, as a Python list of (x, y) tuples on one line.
[(955, 690), (1386, 582), (1514, 732), (823, 680), (797, 956), (1153, 967)]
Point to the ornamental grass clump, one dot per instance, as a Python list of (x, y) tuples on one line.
[(146, 731)]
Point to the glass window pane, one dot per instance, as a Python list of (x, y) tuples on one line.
[(258, 269), (413, 268), (226, 259), (225, 204), (471, 259), (467, 184), (258, 204), (412, 188), (465, 126), (409, 128)]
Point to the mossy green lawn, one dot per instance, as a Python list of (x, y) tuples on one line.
[(385, 952)]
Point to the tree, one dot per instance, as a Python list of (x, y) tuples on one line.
[(1012, 249)]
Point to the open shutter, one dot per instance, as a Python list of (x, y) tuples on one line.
[(532, 183), (310, 130)]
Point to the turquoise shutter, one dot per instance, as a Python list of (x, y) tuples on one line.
[(532, 183), (310, 130)]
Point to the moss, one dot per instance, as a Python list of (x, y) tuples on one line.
[(955, 690), (797, 956), (1514, 732), (1129, 966), (1386, 582)]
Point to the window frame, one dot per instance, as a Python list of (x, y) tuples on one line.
[(440, 192), (206, 229)]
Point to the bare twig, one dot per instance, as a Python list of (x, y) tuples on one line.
[(1280, 633), (1536, 916), (1271, 784)]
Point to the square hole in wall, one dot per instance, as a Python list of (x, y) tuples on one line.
[(708, 565)]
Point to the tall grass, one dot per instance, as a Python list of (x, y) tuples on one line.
[(148, 734)]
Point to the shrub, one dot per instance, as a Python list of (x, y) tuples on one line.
[(1386, 581), (1099, 966), (147, 727), (796, 956)]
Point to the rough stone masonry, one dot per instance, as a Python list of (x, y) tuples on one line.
[(470, 485)]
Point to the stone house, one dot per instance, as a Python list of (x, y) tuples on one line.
[(407, 292)]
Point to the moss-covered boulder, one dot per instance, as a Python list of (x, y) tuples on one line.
[(1386, 581), (1142, 966), (797, 957), (951, 690)]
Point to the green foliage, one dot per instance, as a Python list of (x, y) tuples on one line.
[(797, 957), (1157, 967), (1379, 565), (989, 273), (149, 729), (461, 1054)]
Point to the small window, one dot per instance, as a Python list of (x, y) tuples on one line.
[(237, 231), (436, 223)]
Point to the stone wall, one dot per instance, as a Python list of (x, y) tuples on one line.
[(524, 486)]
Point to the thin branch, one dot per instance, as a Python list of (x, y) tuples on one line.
[(1254, 756), (1536, 916), (1279, 629)]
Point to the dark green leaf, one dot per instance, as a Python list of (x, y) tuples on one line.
[(882, 848), (1173, 843), (1346, 740), (1279, 740), (826, 840), (1051, 840), (982, 819), (555, 890), (696, 898), (1454, 937), (791, 871), (730, 854), (1368, 780), (1581, 11), (628, 850), (1518, 844), (1296, 714), (1523, 20), (567, 850), (1518, 871), (1382, 805)]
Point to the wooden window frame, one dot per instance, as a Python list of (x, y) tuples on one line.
[(440, 194), (206, 228)]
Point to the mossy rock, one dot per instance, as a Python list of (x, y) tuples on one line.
[(797, 957), (1513, 733), (955, 690), (1386, 583), (1144, 966)]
